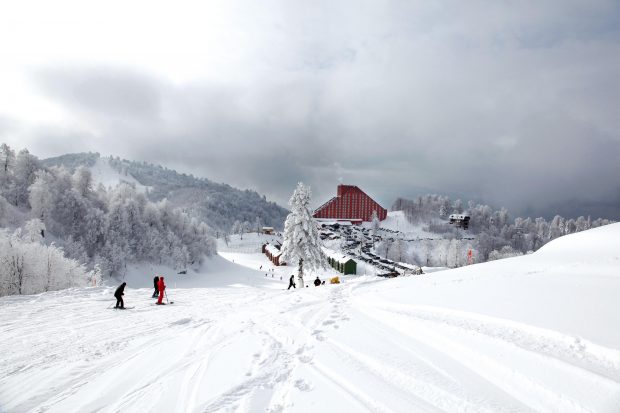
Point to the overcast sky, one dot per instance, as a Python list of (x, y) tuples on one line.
[(513, 103)]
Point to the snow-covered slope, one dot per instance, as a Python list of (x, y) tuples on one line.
[(533, 333), (109, 177), (396, 221)]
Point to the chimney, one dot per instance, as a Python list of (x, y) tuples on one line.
[(341, 189)]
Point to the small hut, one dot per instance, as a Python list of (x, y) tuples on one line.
[(342, 263), (273, 253)]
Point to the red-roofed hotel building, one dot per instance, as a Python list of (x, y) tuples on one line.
[(351, 204)]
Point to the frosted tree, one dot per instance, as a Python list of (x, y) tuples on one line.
[(41, 197), (258, 225), (35, 230), (247, 227), (31, 267), (375, 226), (457, 207), (237, 228), (7, 157), (581, 224), (83, 181), (302, 244), (26, 166), (384, 247), (7, 161), (443, 212)]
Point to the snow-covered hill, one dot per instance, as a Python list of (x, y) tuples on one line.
[(217, 204), (533, 333)]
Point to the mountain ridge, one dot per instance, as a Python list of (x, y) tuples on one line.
[(217, 204)]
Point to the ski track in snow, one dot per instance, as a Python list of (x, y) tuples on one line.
[(248, 349)]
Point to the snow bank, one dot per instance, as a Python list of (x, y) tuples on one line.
[(596, 245)]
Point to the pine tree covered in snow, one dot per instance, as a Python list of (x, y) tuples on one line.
[(376, 225), (302, 244)]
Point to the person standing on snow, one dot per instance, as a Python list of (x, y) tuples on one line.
[(162, 287), (119, 293), (291, 282), (317, 282), (155, 285)]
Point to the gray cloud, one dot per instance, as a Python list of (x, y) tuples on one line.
[(516, 105), (106, 92)]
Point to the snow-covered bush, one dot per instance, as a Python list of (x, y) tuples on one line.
[(505, 252), (31, 267)]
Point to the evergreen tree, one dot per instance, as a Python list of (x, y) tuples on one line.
[(302, 244), (376, 225)]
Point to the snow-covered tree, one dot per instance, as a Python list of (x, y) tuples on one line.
[(41, 197), (443, 212), (30, 267), (505, 252), (24, 174), (35, 230), (375, 225), (457, 208), (247, 227), (83, 181), (302, 244), (237, 228), (258, 225)]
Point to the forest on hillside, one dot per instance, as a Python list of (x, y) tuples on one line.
[(217, 204), (495, 234), (94, 226)]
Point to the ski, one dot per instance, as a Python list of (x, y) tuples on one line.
[(124, 308)]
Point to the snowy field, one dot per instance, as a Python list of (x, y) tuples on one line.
[(537, 333)]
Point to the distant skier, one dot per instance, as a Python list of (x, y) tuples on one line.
[(291, 282), (317, 282), (155, 282), (119, 293), (162, 287)]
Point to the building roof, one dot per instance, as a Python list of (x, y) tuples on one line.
[(338, 256), (273, 250)]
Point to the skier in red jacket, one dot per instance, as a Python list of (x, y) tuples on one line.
[(162, 287)]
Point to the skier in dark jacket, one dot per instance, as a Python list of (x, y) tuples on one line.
[(155, 281), (162, 287), (317, 282), (291, 282), (119, 293)]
